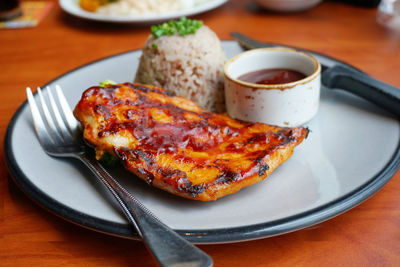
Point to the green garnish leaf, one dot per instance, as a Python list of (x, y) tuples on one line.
[(183, 26), (107, 82), (154, 46), (109, 161)]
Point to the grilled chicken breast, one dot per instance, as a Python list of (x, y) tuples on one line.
[(175, 145)]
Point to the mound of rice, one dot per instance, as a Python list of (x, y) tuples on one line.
[(190, 66)]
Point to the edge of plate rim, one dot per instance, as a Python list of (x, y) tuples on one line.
[(206, 236)]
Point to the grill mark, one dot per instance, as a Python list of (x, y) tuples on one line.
[(263, 168), (227, 177)]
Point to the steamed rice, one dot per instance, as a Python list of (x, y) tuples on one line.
[(190, 66)]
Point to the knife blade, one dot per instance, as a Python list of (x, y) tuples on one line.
[(342, 76)]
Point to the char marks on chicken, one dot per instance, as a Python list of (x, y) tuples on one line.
[(175, 145)]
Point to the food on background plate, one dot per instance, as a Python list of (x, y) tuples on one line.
[(137, 7), (177, 146), (186, 58)]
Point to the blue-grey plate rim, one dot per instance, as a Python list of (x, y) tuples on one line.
[(207, 236)]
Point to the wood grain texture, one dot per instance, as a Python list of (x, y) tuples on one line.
[(368, 235)]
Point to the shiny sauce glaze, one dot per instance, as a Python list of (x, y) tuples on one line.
[(183, 131), (272, 76)]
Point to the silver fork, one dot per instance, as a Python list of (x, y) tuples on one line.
[(60, 136)]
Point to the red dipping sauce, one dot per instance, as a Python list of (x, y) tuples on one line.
[(272, 76)]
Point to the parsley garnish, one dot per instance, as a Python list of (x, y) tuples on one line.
[(183, 26), (107, 82)]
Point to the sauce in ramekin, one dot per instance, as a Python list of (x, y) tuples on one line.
[(272, 76)]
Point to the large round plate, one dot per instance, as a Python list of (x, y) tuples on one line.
[(352, 151), (72, 7)]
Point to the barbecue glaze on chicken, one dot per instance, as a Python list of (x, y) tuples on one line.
[(175, 145)]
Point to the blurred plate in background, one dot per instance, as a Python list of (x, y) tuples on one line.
[(72, 7)]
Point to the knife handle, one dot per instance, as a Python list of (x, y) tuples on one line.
[(363, 85)]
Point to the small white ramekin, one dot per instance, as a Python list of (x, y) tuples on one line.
[(288, 104)]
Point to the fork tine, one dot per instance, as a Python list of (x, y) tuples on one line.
[(71, 121), (53, 130), (42, 133), (60, 122)]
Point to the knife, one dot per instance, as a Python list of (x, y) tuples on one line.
[(342, 76)]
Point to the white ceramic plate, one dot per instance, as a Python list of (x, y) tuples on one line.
[(72, 7), (352, 151)]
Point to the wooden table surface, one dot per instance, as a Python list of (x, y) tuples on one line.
[(368, 235)]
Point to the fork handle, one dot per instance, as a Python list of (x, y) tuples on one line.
[(167, 247)]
